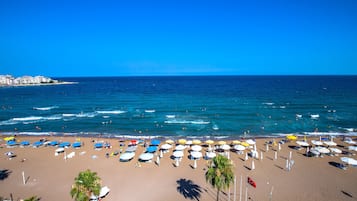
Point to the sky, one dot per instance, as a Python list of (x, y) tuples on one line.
[(138, 38)]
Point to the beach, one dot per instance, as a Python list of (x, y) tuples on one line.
[(50, 177)]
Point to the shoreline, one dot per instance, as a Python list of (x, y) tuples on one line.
[(34, 85)]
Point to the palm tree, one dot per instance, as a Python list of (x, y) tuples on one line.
[(84, 185), (220, 173)]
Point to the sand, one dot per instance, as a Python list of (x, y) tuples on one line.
[(50, 177)]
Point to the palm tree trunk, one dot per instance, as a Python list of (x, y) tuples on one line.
[(218, 194)]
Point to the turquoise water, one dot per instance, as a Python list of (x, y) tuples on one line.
[(184, 106)]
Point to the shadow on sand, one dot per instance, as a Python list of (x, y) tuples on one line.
[(4, 174), (189, 189)]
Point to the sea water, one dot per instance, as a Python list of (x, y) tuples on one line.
[(190, 106)]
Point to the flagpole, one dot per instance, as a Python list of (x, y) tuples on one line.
[(240, 188), (235, 188)]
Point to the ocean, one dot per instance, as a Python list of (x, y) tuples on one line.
[(184, 106)]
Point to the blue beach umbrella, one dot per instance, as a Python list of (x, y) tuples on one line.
[(37, 144), (53, 143), (151, 149), (64, 144), (25, 143), (76, 144), (155, 142), (98, 145), (11, 143)]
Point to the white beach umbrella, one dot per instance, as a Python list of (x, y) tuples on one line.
[(166, 146), (239, 147), (196, 154), (225, 147), (322, 150), (349, 161), (335, 150), (59, 150), (146, 156), (352, 148), (250, 142), (330, 143), (315, 152), (210, 155), (189, 142), (127, 156), (316, 142), (180, 147), (302, 143), (177, 154), (196, 148)]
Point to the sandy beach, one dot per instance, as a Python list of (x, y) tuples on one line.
[(50, 177)]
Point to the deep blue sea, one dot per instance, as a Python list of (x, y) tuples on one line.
[(192, 106)]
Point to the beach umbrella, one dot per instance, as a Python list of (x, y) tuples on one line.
[(196, 142), (37, 144), (250, 142), (315, 152), (98, 145), (76, 144), (222, 142), (151, 149), (169, 141), (131, 149), (182, 141), (352, 148), (133, 142), (225, 147), (9, 138), (188, 142), (209, 142), (155, 142), (146, 156), (330, 143), (177, 154), (59, 150), (25, 143), (302, 143), (349, 140), (127, 156), (335, 150), (11, 143), (210, 155), (245, 144), (196, 154), (166, 146), (180, 147), (64, 144), (316, 142), (236, 142), (196, 148), (239, 147), (53, 143), (322, 150), (291, 137), (349, 161)]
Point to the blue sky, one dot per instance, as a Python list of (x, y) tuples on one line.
[(126, 38)]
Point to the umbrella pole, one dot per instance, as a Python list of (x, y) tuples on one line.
[(23, 177), (240, 188), (235, 188)]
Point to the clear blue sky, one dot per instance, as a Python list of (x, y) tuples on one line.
[(120, 38)]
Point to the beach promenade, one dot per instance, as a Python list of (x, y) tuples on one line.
[(50, 177)]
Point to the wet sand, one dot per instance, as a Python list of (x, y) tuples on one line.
[(50, 177)]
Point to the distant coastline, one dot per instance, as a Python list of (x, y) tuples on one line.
[(10, 81)]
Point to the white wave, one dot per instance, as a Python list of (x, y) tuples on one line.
[(86, 115), (68, 115), (170, 116), (105, 117), (45, 108), (215, 127), (299, 116), (268, 103), (314, 116), (53, 117), (111, 112), (31, 118), (186, 122), (150, 111)]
